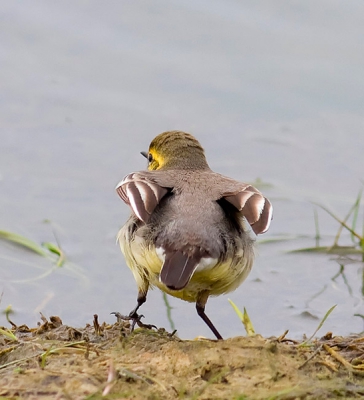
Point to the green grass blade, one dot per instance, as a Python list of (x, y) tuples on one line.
[(56, 250), (23, 241), (352, 209), (244, 318), (248, 324), (356, 212), (169, 313), (343, 223), (236, 309), (43, 357), (320, 325), (317, 227), (38, 277), (283, 238), (335, 249), (9, 334)]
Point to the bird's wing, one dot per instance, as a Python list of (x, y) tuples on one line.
[(141, 193), (253, 205)]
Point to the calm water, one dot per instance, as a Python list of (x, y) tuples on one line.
[(273, 90)]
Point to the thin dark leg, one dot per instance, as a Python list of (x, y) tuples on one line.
[(200, 307), (135, 317), (142, 298)]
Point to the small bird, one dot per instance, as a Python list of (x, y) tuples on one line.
[(192, 231)]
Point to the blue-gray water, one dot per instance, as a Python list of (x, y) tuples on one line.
[(273, 90)]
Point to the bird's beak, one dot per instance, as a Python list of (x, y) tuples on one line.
[(144, 153)]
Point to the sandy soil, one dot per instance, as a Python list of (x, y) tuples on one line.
[(54, 361)]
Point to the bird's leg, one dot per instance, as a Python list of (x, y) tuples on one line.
[(135, 317), (200, 307), (141, 299)]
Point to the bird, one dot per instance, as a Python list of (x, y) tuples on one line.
[(191, 231)]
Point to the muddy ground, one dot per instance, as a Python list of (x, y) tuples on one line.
[(54, 361)]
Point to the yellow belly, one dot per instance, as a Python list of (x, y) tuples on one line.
[(145, 265)]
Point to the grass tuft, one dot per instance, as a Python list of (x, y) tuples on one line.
[(357, 239), (244, 318)]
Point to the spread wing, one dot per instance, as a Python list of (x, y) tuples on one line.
[(253, 205), (141, 194)]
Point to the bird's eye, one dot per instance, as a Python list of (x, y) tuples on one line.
[(150, 157)]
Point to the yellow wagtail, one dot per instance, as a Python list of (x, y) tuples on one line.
[(191, 229)]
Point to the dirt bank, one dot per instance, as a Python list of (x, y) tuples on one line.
[(54, 361)]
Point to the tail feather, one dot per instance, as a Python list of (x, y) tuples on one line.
[(177, 270)]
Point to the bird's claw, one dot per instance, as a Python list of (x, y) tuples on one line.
[(135, 318)]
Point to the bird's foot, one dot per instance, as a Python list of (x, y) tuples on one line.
[(135, 319)]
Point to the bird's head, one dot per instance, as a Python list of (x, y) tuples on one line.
[(175, 150)]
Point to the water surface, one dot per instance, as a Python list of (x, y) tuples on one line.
[(273, 91)]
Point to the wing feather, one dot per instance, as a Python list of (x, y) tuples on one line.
[(253, 205), (141, 194)]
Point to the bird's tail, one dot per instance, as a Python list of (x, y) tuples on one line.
[(177, 270)]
